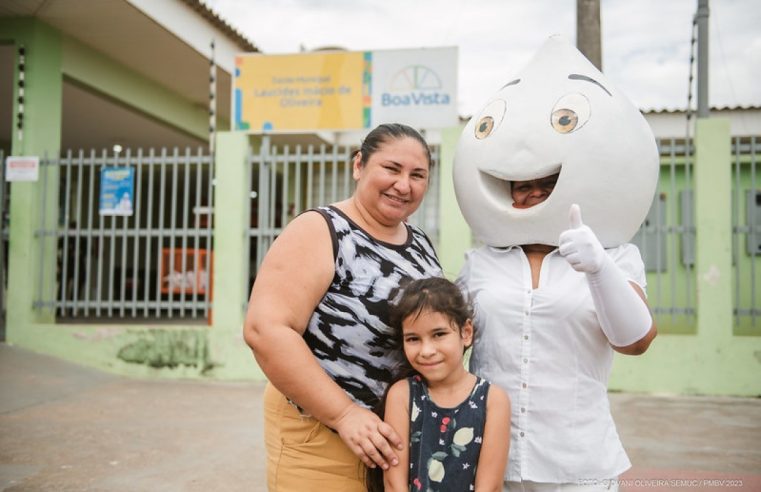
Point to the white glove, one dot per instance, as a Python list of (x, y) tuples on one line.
[(579, 245), (623, 315)]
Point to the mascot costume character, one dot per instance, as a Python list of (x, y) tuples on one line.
[(556, 292)]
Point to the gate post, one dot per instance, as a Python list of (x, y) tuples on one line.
[(454, 232), (32, 259), (713, 241), (231, 211)]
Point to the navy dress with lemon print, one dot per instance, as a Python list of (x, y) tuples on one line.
[(445, 442)]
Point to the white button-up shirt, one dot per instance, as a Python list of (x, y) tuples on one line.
[(545, 347)]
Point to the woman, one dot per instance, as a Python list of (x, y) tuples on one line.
[(547, 336), (555, 298), (317, 320)]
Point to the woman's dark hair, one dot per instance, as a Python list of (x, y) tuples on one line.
[(387, 132), (435, 294)]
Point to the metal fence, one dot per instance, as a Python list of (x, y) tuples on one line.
[(746, 235), (155, 263), (666, 240), (286, 180)]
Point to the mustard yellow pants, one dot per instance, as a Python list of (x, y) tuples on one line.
[(303, 455)]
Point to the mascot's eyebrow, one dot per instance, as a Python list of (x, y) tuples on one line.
[(576, 76), (512, 82)]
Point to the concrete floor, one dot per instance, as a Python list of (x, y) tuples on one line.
[(68, 428)]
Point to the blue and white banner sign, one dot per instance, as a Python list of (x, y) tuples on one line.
[(117, 190)]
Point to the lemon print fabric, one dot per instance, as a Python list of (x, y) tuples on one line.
[(445, 442)]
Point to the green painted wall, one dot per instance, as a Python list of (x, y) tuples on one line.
[(141, 351), (231, 216), (28, 270), (712, 361), (454, 233)]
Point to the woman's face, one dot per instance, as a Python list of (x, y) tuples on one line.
[(394, 180), (526, 194)]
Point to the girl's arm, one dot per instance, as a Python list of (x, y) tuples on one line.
[(496, 443), (397, 415)]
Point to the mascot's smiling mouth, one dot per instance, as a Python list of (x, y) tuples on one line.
[(498, 185)]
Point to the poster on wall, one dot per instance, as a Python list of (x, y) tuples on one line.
[(117, 190), (22, 168), (345, 90)]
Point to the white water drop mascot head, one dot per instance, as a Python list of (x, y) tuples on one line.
[(560, 115)]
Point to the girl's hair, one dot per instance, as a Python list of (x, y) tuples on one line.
[(383, 134), (435, 294)]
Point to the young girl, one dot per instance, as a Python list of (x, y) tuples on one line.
[(447, 417)]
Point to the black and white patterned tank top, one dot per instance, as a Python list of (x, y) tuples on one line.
[(348, 332)]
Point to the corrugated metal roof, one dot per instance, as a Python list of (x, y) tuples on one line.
[(464, 119), (210, 15), (748, 107)]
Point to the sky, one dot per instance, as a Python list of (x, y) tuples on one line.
[(646, 44)]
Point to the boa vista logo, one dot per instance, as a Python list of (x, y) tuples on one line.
[(415, 85)]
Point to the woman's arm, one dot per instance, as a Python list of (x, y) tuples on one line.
[(292, 280), (496, 444), (640, 346), (397, 415), (620, 305)]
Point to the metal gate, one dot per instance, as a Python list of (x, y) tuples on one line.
[(154, 264), (667, 238), (286, 180), (746, 235)]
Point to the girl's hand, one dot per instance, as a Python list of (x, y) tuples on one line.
[(368, 437)]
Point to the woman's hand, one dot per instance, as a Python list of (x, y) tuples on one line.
[(368, 437), (579, 245)]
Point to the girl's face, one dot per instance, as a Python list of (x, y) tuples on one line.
[(434, 345), (394, 180)]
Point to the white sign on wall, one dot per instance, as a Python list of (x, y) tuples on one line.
[(417, 87), (22, 168)]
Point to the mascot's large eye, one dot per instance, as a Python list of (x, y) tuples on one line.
[(570, 113), (564, 120), (490, 118)]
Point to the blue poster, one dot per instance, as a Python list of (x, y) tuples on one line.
[(117, 190)]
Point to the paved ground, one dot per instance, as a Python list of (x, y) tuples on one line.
[(68, 428)]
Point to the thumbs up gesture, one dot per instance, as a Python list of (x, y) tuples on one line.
[(579, 245)]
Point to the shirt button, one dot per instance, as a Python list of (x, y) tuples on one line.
[(524, 385), (523, 410), (522, 434), (525, 337), (525, 361)]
